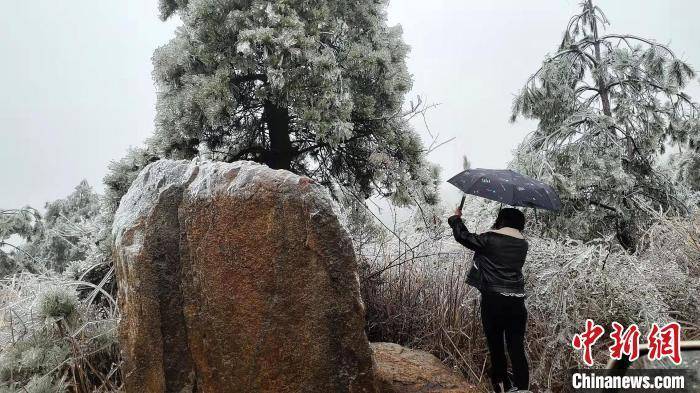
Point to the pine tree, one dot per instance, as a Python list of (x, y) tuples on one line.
[(608, 105), (71, 230), (315, 87), (120, 176)]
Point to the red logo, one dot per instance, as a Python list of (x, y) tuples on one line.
[(625, 341), (585, 340), (664, 342)]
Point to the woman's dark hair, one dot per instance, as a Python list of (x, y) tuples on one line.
[(510, 217)]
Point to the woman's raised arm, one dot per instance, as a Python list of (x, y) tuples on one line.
[(468, 239)]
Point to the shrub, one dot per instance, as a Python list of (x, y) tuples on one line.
[(57, 303), (52, 341)]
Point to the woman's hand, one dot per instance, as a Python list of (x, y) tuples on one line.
[(458, 212)]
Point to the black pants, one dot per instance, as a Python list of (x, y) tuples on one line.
[(505, 317)]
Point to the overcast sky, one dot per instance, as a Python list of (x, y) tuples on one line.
[(76, 88)]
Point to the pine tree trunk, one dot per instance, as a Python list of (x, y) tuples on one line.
[(280, 154), (623, 232), (600, 82)]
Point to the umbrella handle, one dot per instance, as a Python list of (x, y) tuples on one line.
[(461, 204)]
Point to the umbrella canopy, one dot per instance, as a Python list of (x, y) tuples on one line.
[(507, 186)]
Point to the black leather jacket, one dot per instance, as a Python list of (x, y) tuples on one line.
[(498, 259)]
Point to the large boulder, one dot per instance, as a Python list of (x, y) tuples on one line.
[(234, 277), (404, 370)]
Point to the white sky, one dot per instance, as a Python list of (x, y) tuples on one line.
[(76, 88)]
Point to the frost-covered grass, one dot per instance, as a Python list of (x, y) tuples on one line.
[(54, 337), (424, 302)]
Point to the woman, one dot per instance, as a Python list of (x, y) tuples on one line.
[(499, 255)]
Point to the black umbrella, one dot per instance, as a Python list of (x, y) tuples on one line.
[(507, 186)]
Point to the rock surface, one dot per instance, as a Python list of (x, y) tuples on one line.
[(236, 278), (404, 370)]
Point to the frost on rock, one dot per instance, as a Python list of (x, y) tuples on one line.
[(142, 195), (202, 179)]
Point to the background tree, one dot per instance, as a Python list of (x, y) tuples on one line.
[(608, 106), (313, 87), (72, 230), (18, 225)]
